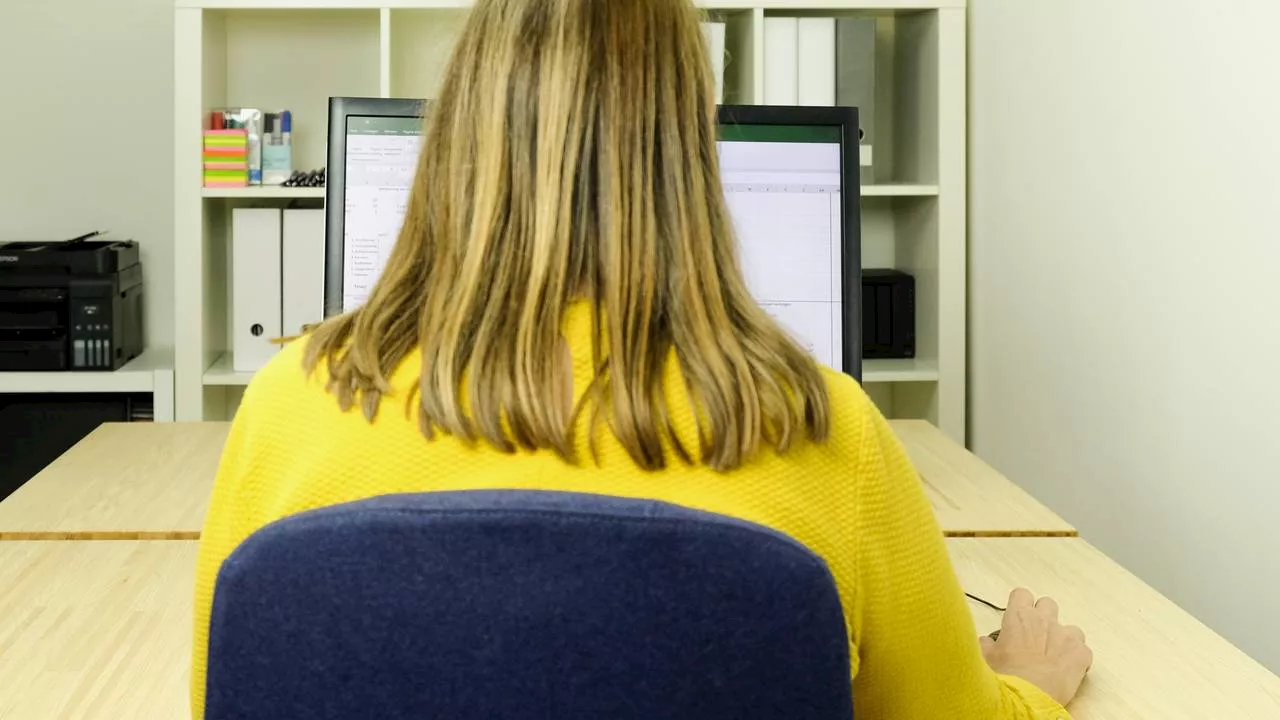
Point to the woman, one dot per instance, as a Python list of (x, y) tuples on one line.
[(564, 311)]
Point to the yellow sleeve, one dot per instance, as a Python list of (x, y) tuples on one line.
[(226, 525), (918, 650)]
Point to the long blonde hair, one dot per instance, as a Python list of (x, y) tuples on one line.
[(571, 155)]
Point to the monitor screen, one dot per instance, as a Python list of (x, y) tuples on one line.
[(381, 157), (784, 184)]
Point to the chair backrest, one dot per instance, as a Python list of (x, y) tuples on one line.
[(500, 605)]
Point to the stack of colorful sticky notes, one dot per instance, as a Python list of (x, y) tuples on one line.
[(226, 158)]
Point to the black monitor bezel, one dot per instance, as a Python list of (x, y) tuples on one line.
[(846, 118), (335, 193)]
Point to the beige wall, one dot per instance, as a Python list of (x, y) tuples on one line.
[(1125, 285), (86, 117)]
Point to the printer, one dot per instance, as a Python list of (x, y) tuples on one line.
[(70, 305)]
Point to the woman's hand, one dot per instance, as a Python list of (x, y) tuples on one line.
[(1034, 646)]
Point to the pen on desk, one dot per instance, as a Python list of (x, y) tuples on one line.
[(988, 603), (994, 635)]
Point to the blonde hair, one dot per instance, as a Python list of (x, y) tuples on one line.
[(571, 155)]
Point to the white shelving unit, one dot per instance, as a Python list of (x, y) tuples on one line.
[(222, 374), (298, 53), (262, 193), (914, 370), (151, 372), (899, 190)]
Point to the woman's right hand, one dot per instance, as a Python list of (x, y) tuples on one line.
[(1034, 646)]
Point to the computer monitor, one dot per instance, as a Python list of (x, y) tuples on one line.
[(790, 178), (373, 155)]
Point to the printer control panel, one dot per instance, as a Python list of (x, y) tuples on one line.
[(91, 334)]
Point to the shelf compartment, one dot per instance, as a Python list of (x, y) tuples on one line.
[(222, 374), (899, 371), (137, 376), (275, 59), (421, 43)]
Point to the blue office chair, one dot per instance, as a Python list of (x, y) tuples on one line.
[(514, 605)]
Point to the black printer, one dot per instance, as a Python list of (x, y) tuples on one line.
[(70, 305)]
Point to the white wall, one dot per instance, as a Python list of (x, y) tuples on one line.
[(1125, 281), (86, 119)]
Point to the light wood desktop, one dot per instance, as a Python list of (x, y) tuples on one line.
[(152, 481), (1151, 658), (103, 630), (147, 481), (970, 498), (95, 629)]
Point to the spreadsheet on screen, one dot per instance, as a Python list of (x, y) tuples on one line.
[(782, 185)]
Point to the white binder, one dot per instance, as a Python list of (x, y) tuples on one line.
[(781, 41), (302, 276), (715, 34), (817, 61), (255, 286)]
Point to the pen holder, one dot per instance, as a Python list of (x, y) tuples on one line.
[(226, 158)]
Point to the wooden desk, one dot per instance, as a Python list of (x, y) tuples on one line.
[(970, 497), (145, 481), (103, 630), (149, 481), (95, 630), (1151, 659)]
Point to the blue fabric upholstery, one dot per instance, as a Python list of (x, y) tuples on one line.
[(500, 605)]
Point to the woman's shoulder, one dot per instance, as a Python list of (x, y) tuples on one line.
[(840, 383), (852, 412), (846, 394), (284, 381), (284, 368)]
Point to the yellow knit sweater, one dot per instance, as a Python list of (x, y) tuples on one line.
[(854, 500)]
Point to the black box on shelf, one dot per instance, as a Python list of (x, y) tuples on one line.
[(888, 315)]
